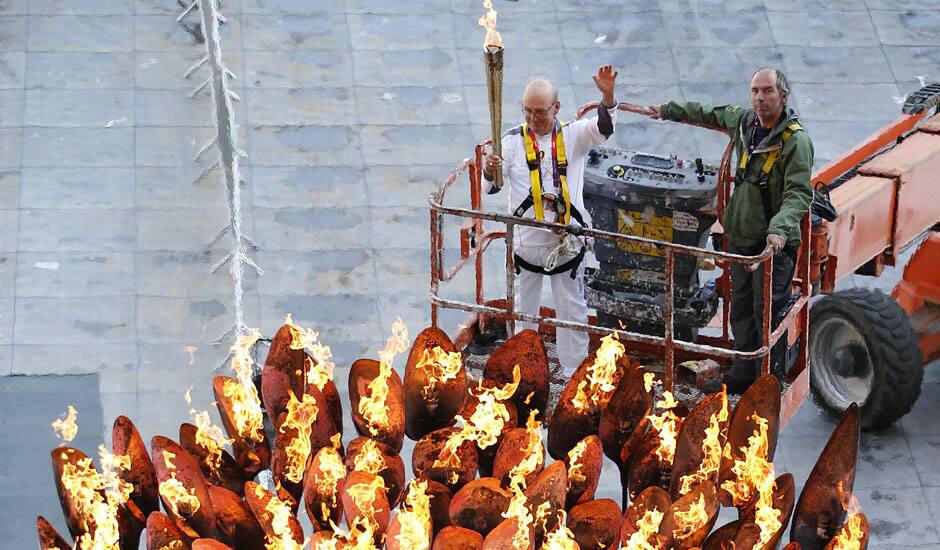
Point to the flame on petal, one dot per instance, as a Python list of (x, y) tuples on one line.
[(301, 414), (575, 466), (666, 425), (332, 470), (485, 424), (533, 457), (596, 388), (415, 518), (183, 503), (560, 538), (208, 436), (711, 446), (439, 366), (372, 406), (246, 405), (320, 370), (646, 528), (691, 520), (66, 429), (282, 537)]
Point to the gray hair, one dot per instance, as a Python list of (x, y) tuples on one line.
[(541, 85), (783, 85)]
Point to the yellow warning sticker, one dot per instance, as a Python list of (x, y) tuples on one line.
[(646, 225)]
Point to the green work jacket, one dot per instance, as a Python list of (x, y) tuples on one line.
[(744, 221)]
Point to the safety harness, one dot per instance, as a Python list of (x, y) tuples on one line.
[(763, 184), (536, 198)]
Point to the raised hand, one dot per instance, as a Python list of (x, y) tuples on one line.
[(606, 80)]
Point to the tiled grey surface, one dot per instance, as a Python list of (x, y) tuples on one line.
[(352, 111)]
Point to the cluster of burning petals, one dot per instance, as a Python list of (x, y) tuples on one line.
[(482, 478)]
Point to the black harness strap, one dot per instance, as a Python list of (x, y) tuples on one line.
[(571, 265)]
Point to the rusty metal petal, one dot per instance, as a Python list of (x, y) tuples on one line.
[(284, 372), (322, 502), (229, 474), (457, 538), (503, 536), (796, 546), (721, 538), (126, 440), (440, 496), (362, 372), (252, 457), (162, 532), (188, 473), (689, 452), (512, 450), (428, 449), (762, 398), (237, 526), (783, 496), (258, 499), (628, 407), (583, 479), (670, 523), (393, 472), (652, 498), (49, 538), (644, 468), (283, 437), (526, 350), (70, 508), (819, 509), (427, 407), (595, 524), (568, 424), (479, 505)]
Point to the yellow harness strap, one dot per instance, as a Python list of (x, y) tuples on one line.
[(535, 176), (772, 156)]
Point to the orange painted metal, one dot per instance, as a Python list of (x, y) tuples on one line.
[(915, 163), (918, 294), (865, 224)]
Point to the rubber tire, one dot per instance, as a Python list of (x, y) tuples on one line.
[(892, 345)]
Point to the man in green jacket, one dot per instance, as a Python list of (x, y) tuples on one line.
[(772, 193)]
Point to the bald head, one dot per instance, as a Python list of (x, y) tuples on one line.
[(540, 105), (540, 90)]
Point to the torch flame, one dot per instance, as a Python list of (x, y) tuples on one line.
[(183, 503), (646, 528), (372, 406), (439, 366), (66, 429), (488, 20), (575, 466), (208, 436), (691, 520), (246, 405), (666, 425), (599, 378), (415, 518), (320, 369), (711, 446), (301, 414)]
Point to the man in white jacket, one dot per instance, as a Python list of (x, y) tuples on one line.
[(543, 161)]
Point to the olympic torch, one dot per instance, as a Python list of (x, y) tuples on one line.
[(493, 62)]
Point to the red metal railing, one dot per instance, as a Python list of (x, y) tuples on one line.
[(474, 241)]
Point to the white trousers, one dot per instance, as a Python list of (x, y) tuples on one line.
[(570, 305)]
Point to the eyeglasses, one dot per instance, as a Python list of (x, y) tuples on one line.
[(536, 112)]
